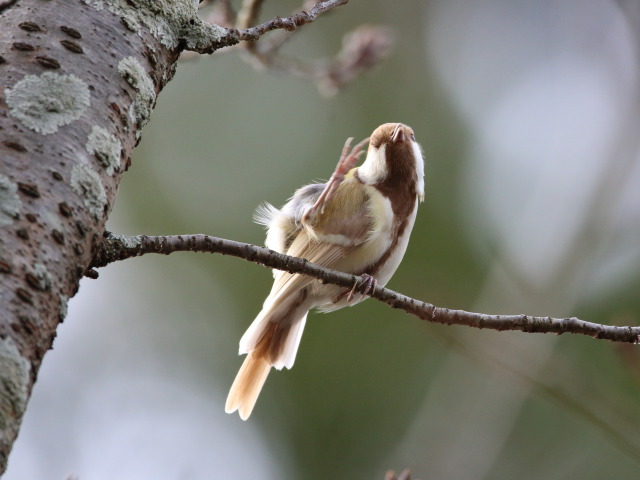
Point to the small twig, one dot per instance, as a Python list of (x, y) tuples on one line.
[(113, 248), (247, 17), (270, 46), (289, 23), (206, 38), (362, 49)]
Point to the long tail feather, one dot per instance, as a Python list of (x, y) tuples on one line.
[(272, 340), (247, 385)]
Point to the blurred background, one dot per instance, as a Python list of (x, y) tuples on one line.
[(528, 114)]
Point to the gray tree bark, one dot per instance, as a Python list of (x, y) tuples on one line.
[(78, 81)]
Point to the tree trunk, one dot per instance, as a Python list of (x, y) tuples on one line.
[(78, 81)]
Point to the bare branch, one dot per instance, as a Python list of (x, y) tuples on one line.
[(113, 248), (362, 48), (203, 37), (270, 46), (289, 23)]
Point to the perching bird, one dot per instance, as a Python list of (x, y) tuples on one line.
[(359, 222)]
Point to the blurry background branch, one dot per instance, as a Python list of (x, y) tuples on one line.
[(362, 48), (113, 248), (404, 475)]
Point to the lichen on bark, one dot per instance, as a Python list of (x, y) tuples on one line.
[(43, 103), (170, 21), (14, 390), (105, 147)]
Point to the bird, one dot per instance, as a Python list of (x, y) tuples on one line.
[(359, 222)]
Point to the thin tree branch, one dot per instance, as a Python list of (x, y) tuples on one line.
[(271, 45), (289, 23), (114, 247), (362, 49), (203, 37)]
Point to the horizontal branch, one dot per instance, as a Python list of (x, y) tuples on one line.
[(114, 247)]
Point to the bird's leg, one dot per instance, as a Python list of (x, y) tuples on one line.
[(367, 285), (348, 160)]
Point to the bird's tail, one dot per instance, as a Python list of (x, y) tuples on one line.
[(271, 341)]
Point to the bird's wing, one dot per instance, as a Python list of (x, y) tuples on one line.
[(284, 224), (344, 224)]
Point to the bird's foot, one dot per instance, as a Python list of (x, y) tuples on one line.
[(348, 160), (366, 286)]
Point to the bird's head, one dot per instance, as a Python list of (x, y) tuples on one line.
[(394, 157)]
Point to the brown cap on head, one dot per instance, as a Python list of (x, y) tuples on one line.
[(390, 133)]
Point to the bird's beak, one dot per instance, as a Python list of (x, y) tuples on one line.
[(398, 134)]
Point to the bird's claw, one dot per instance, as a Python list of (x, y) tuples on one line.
[(348, 160), (366, 286)]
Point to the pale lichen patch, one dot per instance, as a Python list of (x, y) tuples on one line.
[(204, 37), (63, 300), (10, 203), (170, 21), (87, 184), (14, 385), (45, 280), (132, 71), (128, 242), (43, 103), (105, 147), (131, 23)]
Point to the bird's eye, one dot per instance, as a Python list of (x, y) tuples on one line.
[(413, 137)]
